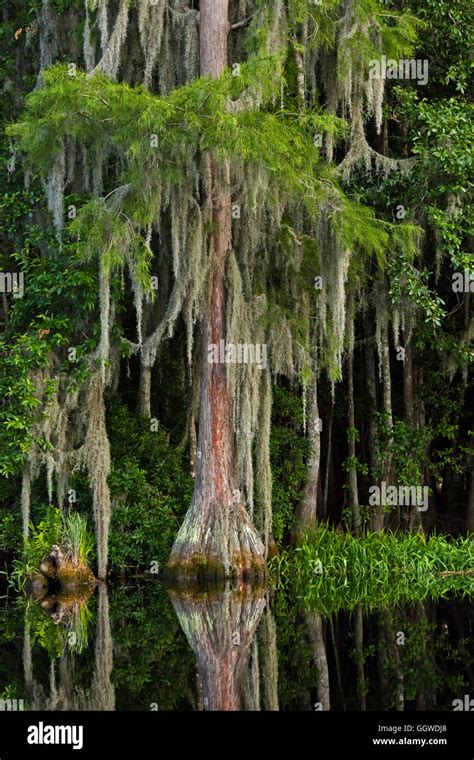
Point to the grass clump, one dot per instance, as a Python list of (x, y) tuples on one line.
[(77, 539)]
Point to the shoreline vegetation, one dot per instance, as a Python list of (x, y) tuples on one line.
[(332, 570), (329, 569)]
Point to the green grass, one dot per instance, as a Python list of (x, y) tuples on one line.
[(332, 571), (77, 538)]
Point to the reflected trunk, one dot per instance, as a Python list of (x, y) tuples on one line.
[(314, 621), (267, 632), (220, 627)]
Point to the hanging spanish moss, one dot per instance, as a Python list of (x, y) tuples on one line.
[(94, 456), (88, 47), (151, 20), (55, 190), (112, 49), (245, 276)]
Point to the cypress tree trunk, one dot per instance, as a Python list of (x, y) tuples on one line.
[(352, 473), (267, 633), (353, 488), (217, 537), (408, 385), (387, 470), (359, 653), (409, 410), (307, 509), (378, 514), (144, 392), (335, 649), (328, 464), (389, 663)]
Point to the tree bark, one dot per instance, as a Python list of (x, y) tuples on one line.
[(353, 488), (328, 463), (267, 634), (378, 514), (389, 662), (217, 538), (307, 509), (335, 649), (359, 652), (220, 628), (408, 384), (387, 470), (144, 392), (314, 622), (300, 73), (409, 410)]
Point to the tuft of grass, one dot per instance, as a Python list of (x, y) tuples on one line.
[(77, 539), (333, 571)]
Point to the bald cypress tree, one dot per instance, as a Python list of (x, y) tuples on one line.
[(211, 161)]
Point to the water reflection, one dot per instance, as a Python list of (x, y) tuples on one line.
[(141, 647), (62, 691), (220, 627)]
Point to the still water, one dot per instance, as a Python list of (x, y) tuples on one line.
[(140, 646)]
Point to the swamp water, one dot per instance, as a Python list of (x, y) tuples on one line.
[(140, 646)]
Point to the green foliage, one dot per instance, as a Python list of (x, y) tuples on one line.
[(72, 634), (153, 664), (59, 295), (10, 531), (448, 45), (442, 138), (19, 399), (297, 673), (398, 33), (289, 450), (71, 531), (42, 537), (151, 491), (191, 119)]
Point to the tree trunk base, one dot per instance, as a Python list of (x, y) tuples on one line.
[(215, 543)]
